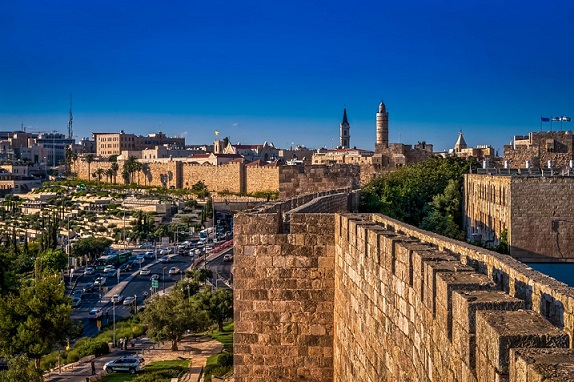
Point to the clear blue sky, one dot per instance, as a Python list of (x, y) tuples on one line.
[(283, 71)]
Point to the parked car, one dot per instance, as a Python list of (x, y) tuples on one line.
[(144, 272), (130, 364), (89, 287), (174, 271), (95, 313), (90, 271)]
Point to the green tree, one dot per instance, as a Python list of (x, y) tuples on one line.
[(444, 215), (35, 320), (90, 247), (218, 305), (170, 315), (21, 369), (407, 194), (115, 167), (52, 261)]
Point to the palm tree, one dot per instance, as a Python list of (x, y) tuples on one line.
[(109, 175), (99, 172), (115, 167), (89, 159)]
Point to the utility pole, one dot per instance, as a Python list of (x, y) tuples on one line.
[(70, 129)]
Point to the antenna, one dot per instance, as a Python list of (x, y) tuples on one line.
[(70, 129)]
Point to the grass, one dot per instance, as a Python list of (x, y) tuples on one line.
[(225, 337), (159, 369)]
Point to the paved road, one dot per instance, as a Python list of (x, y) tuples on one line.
[(133, 284)]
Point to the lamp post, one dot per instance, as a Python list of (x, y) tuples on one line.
[(114, 320)]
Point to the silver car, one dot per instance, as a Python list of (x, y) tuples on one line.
[(131, 364)]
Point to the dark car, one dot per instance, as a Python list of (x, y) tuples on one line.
[(155, 277), (89, 287)]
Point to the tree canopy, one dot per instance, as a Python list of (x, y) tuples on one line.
[(169, 316), (417, 194)]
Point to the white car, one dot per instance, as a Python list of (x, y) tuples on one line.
[(89, 271), (129, 300), (99, 281), (109, 269), (117, 298), (174, 271), (144, 272)]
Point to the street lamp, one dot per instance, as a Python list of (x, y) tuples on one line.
[(114, 320), (163, 278)]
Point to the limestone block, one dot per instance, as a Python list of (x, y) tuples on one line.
[(418, 260), (541, 365), (446, 283), (431, 269), (498, 331)]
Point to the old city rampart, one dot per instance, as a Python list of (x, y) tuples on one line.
[(233, 177), (324, 295)]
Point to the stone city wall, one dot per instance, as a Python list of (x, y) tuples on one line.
[(236, 177), (227, 177), (298, 180), (402, 305), (283, 298), (261, 178), (412, 305)]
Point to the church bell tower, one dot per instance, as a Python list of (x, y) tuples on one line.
[(344, 135)]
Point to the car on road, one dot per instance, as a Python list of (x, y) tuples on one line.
[(77, 293), (129, 300), (155, 277), (140, 257), (90, 271), (144, 272), (174, 271), (109, 268), (117, 298), (149, 255), (131, 364), (125, 267), (89, 287), (227, 257), (76, 301), (99, 281), (164, 259), (95, 313)]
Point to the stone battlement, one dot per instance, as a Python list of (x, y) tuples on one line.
[(362, 297)]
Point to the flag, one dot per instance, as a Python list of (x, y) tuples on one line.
[(566, 119), (216, 132), (556, 118), (544, 119)]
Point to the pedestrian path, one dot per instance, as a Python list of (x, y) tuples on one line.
[(195, 349)]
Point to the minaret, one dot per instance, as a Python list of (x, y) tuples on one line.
[(382, 128), (344, 127)]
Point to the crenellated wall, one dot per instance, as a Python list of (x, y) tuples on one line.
[(361, 297)]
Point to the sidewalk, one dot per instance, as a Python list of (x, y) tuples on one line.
[(195, 350)]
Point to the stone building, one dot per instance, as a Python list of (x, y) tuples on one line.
[(541, 149), (108, 144), (480, 152), (534, 211)]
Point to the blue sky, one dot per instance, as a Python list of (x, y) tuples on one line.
[(283, 71)]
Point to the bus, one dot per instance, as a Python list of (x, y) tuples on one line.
[(115, 259)]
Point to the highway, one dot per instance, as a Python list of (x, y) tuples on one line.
[(133, 284)]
